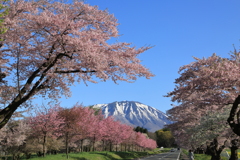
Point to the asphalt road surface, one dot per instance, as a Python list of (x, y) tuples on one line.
[(164, 156)]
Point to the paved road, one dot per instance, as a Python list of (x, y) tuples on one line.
[(164, 156)]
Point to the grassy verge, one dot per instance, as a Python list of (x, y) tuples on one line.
[(206, 157), (98, 155), (197, 156), (229, 152)]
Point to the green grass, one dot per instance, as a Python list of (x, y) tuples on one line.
[(200, 156), (229, 152), (206, 157), (98, 155)]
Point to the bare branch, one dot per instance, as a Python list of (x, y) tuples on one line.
[(74, 71)]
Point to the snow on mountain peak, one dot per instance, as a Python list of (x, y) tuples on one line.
[(135, 114)]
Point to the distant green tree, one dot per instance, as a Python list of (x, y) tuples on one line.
[(166, 129), (165, 138), (144, 130), (152, 135), (140, 129), (137, 129)]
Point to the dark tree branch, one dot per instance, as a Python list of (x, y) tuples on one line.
[(75, 71), (22, 97), (231, 119)]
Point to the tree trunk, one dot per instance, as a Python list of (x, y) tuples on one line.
[(110, 145), (234, 149), (82, 145), (234, 153), (94, 143), (216, 157), (44, 145), (234, 124), (215, 150), (103, 145), (66, 145), (26, 92), (7, 112)]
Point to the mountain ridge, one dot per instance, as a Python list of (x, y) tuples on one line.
[(135, 114)]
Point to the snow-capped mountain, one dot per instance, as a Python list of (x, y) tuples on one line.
[(135, 114)]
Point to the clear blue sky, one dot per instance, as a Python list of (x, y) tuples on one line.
[(179, 30)]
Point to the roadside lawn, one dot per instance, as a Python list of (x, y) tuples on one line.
[(184, 156), (96, 155)]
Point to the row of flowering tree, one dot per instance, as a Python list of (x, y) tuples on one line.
[(207, 92), (79, 129)]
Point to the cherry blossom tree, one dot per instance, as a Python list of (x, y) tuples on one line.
[(114, 133), (13, 136), (141, 140), (210, 84), (210, 133), (46, 123), (88, 122), (51, 45), (213, 130), (93, 126), (117, 132), (124, 132), (108, 131), (213, 126), (70, 127), (79, 123), (132, 140)]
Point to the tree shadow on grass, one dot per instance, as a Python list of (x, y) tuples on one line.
[(126, 155), (78, 158), (123, 155), (130, 155), (109, 156)]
